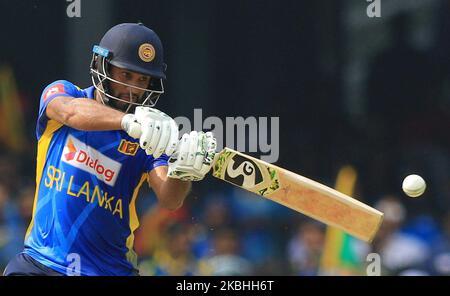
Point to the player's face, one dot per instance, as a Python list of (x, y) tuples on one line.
[(124, 92)]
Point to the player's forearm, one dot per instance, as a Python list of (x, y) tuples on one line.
[(173, 192), (84, 114), (170, 192)]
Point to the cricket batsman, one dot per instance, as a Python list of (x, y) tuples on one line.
[(96, 148)]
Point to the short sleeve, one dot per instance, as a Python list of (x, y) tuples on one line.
[(152, 163), (60, 88)]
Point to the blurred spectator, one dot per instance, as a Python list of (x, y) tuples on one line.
[(399, 251), (413, 272), (440, 264), (305, 248), (440, 259), (215, 215), (260, 224), (153, 224), (11, 227), (226, 259), (25, 201), (173, 256), (10, 165)]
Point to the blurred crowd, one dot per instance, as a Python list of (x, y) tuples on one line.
[(227, 231)]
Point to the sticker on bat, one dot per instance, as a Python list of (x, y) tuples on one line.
[(243, 172), (248, 174)]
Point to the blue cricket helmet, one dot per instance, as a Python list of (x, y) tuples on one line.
[(133, 47), (136, 48)]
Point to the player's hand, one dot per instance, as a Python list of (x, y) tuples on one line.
[(194, 156), (159, 132), (131, 126)]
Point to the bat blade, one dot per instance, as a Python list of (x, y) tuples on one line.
[(298, 193)]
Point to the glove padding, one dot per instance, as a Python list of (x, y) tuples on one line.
[(194, 156), (157, 132), (131, 126)]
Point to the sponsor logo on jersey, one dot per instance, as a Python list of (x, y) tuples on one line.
[(84, 157), (128, 148), (72, 151), (55, 89)]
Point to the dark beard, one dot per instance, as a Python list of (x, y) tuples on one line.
[(116, 105)]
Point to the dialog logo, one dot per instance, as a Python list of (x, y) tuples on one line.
[(88, 159)]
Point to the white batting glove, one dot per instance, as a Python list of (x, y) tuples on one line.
[(131, 126), (194, 156), (159, 132)]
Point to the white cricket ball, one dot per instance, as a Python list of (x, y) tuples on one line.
[(414, 185)]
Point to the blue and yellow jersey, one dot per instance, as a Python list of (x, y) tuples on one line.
[(87, 184)]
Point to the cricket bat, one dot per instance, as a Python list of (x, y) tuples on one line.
[(299, 193)]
